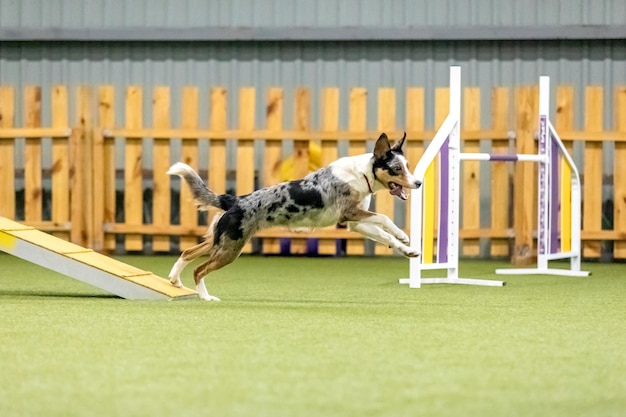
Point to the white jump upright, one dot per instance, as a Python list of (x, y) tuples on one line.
[(555, 240), (435, 207), (447, 190)]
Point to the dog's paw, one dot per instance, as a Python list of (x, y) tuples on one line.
[(402, 237), (175, 281), (209, 297), (410, 252)]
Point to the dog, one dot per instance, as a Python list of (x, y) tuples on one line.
[(337, 194)]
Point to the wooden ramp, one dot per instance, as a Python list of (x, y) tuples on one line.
[(85, 265)]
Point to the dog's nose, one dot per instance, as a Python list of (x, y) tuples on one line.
[(418, 183)]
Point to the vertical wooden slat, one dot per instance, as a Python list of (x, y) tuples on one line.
[(106, 120), (357, 122), (189, 153), (273, 152), (500, 172), (85, 115), (592, 177), (133, 169), (386, 123), (77, 186), (414, 149), (160, 165), (564, 121), (357, 119), (619, 215), (302, 121), (7, 153), (471, 171), (33, 189), (60, 161), (525, 194), (217, 158), (329, 123), (245, 147), (273, 147)]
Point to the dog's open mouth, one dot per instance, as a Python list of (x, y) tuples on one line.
[(397, 190)]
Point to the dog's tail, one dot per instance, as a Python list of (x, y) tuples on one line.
[(202, 195)]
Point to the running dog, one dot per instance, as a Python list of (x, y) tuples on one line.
[(337, 194)]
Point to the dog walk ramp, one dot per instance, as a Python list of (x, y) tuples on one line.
[(85, 265)]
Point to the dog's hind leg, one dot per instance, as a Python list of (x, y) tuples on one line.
[(186, 258), (219, 256), (192, 253)]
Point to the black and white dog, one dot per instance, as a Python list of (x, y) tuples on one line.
[(339, 193)]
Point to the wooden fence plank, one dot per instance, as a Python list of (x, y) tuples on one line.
[(619, 185), (329, 123), (245, 147), (7, 153), (564, 120), (106, 120), (357, 122), (60, 161), (471, 171), (592, 171), (500, 172), (301, 157), (33, 189), (384, 202), (217, 153), (160, 164), (86, 180), (414, 148), (272, 157), (525, 184), (189, 155), (133, 168)]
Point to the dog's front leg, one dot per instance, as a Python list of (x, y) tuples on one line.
[(376, 233), (382, 221)]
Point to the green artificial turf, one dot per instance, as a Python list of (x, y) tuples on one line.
[(315, 337)]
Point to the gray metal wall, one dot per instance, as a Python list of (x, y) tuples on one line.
[(312, 13)]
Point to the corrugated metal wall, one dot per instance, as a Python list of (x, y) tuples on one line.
[(325, 13), (315, 65)]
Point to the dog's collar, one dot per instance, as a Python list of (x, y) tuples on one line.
[(369, 187)]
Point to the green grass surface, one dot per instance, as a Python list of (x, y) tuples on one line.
[(315, 337)]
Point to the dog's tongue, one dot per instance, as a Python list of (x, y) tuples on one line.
[(398, 191)]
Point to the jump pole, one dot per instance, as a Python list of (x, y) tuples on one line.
[(447, 146), (555, 240)]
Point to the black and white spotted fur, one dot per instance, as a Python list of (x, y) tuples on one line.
[(339, 193)]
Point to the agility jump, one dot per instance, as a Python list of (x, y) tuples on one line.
[(441, 188)]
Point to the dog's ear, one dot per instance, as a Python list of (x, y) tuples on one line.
[(397, 147), (382, 147)]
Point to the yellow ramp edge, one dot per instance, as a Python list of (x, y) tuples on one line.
[(130, 273), (93, 259), (47, 241), (9, 225)]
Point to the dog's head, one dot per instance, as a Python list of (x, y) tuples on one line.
[(391, 167)]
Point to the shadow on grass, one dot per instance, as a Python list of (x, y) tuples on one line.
[(52, 294)]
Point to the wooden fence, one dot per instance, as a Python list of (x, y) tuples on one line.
[(109, 189)]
